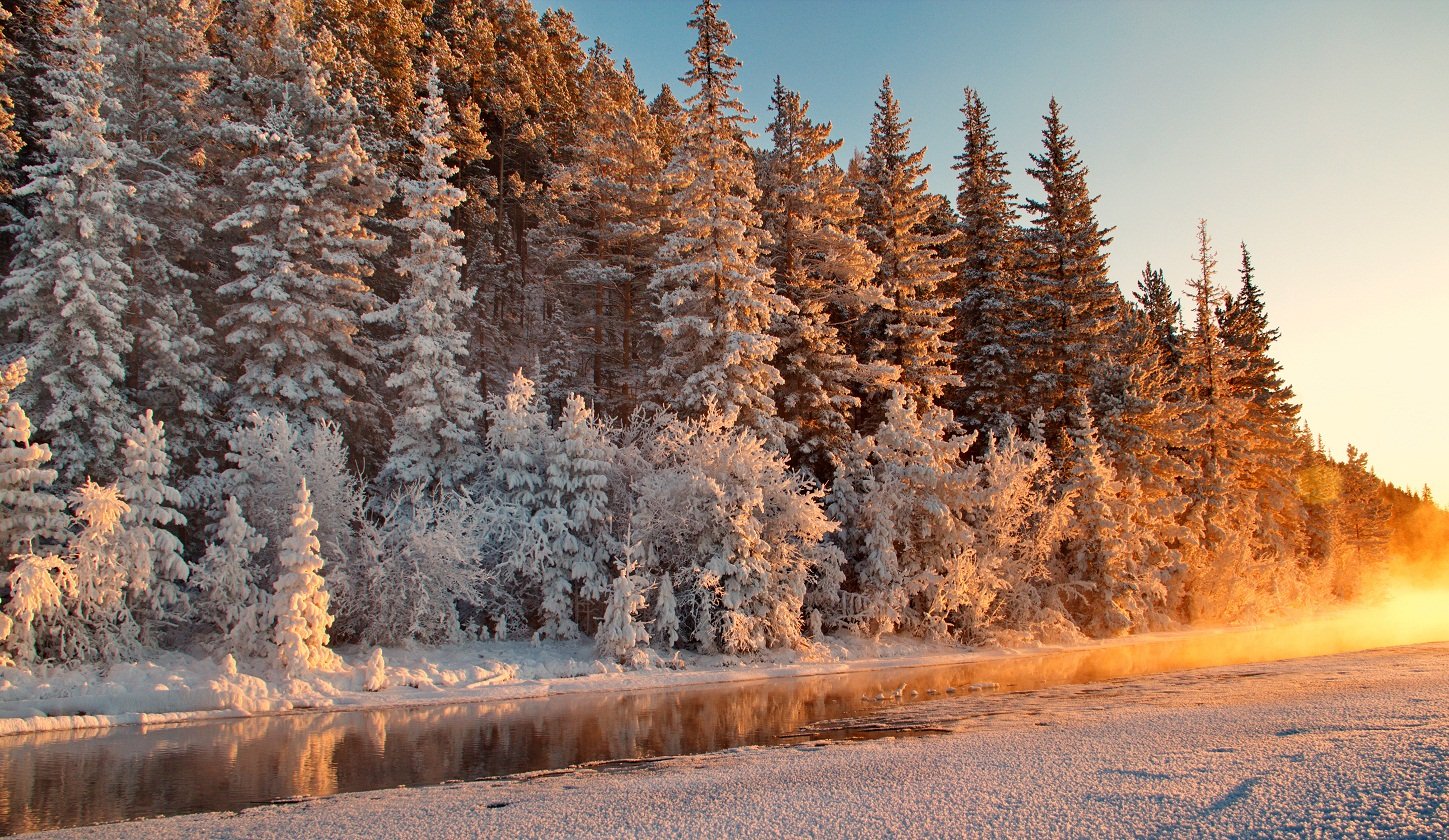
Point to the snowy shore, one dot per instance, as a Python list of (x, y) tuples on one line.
[(1353, 744), (173, 687)]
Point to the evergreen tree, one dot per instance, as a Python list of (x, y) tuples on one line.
[(665, 629), (32, 518), (68, 285), (160, 69), (300, 601), (435, 434), (909, 333), (621, 633), (1072, 308), (151, 551), (576, 493), (990, 242), (716, 301), (305, 186), (739, 531), (824, 270), (1270, 417), (900, 496), (98, 627), (1222, 569), (232, 602), (10, 142), (1161, 314), (600, 246)]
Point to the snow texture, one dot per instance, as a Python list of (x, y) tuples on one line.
[(1344, 745)]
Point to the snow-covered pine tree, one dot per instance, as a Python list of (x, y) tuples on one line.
[(1103, 567), (989, 286), (39, 589), (156, 570), (622, 634), (435, 431), (599, 248), (10, 142), (910, 332), (420, 557), (300, 615), (232, 604), (1363, 515), (665, 628), (518, 451), (722, 512), (1161, 314), (900, 496), (668, 120), (576, 495), (716, 301), (1017, 521), (32, 518), (159, 67), (68, 285), (1270, 417), (1223, 575), (98, 625), (825, 270), (269, 457), (302, 189), (1071, 308)]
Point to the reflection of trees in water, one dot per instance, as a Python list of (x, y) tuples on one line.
[(73, 778)]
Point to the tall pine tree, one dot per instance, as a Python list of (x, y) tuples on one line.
[(716, 301)]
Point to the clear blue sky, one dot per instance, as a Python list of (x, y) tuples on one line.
[(1314, 131)]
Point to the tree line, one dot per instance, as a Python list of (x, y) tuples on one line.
[(415, 320)]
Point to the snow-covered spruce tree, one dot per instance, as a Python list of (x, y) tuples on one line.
[(910, 332), (233, 605), (419, 559), (622, 634), (518, 452), (598, 249), (1017, 520), (1161, 314), (300, 616), (10, 142), (1070, 307), (1110, 588), (739, 532), (435, 429), (1223, 575), (269, 457), (665, 628), (98, 626), (32, 518), (1270, 418), (716, 301), (68, 285), (159, 68), (1363, 523), (151, 552), (900, 495), (40, 586), (989, 284), (303, 187), (577, 567), (824, 270)]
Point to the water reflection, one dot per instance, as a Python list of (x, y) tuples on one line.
[(60, 779)]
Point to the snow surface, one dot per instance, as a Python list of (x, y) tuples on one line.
[(1353, 744), (172, 687)]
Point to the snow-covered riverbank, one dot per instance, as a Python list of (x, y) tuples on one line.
[(174, 687), (1348, 744)]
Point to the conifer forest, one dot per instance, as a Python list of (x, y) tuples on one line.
[(416, 322)]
